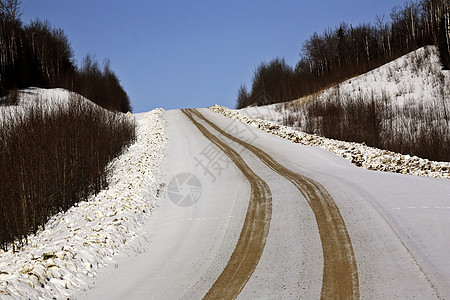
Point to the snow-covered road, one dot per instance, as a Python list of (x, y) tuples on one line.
[(396, 225)]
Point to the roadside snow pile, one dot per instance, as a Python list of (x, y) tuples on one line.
[(359, 154), (60, 259)]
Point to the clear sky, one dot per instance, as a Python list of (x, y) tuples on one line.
[(192, 53)]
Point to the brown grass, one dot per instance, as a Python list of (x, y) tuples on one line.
[(417, 129)]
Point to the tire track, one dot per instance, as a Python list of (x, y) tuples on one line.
[(340, 274), (252, 240)]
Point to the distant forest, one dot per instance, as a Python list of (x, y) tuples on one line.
[(346, 51), (39, 55)]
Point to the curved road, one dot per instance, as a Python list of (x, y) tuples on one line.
[(340, 275), (270, 219)]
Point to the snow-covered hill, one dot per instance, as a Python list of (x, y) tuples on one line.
[(47, 98), (412, 95), (415, 79), (59, 260), (359, 154)]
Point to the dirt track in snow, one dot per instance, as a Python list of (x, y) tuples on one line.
[(340, 274), (398, 225), (254, 233)]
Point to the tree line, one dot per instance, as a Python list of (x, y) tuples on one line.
[(52, 155), (346, 51), (40, 55)]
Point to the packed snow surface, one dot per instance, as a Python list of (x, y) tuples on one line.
[(359, 154), (59, 260), (398, 224)]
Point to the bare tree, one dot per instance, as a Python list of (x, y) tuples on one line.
[(444, 36), (243, 97), (11, 9)]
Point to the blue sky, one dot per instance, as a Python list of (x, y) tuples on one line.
[(180, 54)]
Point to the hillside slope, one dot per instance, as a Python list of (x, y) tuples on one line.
[(59, 258), (402, 106), (417, 76), (32, 96)]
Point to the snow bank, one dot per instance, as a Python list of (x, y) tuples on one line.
[(59, 260), (49, 97), (46, 98), (359, 154)]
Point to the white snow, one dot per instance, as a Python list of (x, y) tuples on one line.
[(414, 81), (410, 77), (46, 98), (181, 251), (28, 96), (62, 260), (58, 261), (359, 154), (401, 252)]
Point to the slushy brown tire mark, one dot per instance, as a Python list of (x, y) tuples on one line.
[(340, 273), (252, 240)]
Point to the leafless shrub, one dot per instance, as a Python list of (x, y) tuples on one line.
[(292, 120), (390, 73), (420, 129), (11, 98), (418, 59), (52, 158)]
